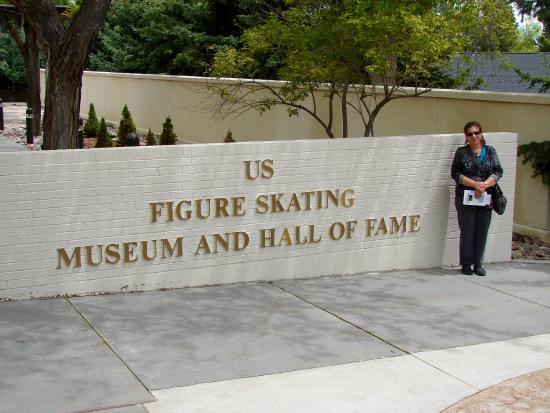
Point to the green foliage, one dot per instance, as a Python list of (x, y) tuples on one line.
[(538, 155), (229, 137), (12, 66), (103, 138), (150, 138), (540, 82), (488, 25), (344, 45), (125, 126), (91, 128), (167, 137), (172, 36), (540, 9), (528, 37)]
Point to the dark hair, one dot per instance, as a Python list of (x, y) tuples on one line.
[(475, 123)]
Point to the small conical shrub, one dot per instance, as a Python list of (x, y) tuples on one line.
[(91, 128), (125, 126), (150, 138), (229, 137), (103, 138), (167, 137)]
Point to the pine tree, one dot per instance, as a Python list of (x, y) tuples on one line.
[(125, 126), (91, 128), (229, 137), (150, 138), (103, 138), (168, 137)]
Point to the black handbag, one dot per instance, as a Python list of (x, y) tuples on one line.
[(498, 199)]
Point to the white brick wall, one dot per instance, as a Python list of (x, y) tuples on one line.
[(65, 199)]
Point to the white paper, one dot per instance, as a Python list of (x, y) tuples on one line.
[(470, 199)]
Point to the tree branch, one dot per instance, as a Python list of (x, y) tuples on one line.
[(43, 17), (238, 104), (87, 23)]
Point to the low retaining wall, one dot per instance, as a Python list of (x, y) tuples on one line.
[(128, 219)]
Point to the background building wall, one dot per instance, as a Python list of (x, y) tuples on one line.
[(65, 199)]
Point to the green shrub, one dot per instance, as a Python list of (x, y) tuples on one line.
[(91, 128), (168, 137), (538, 155), (125, 126), (229, 137), (103, 138), (150, 138)]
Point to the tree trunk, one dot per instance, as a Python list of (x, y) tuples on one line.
[(369, 130), (345, 110), (63, 86), (32, 65), (66, 50)]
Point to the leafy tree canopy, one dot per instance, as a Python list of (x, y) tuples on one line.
[(12, 65), (343, 44), (172, 36), (541, 10), (529, 37), (345, 41), (488, 25)]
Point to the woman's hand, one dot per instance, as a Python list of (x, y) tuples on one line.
[(489, 182), (481, 187)]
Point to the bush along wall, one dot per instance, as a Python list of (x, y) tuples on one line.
[(168, 137), (538, 155), (150, 138), (125, 126), (91, 128), (103, 138)]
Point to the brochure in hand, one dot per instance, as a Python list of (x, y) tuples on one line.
[(470, 199)]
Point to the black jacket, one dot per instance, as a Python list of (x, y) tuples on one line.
[(464, 165)]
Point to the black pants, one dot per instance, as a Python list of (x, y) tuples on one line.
[(474, 224)]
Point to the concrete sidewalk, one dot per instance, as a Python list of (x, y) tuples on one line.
[(415, 341)]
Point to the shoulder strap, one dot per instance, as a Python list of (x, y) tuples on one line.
[(479, 164)]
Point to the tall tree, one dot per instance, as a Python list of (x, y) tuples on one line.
[(360, 53), (541, 10), (529, 36), (12, 65), (488, 25), (27, 44), (66, 51), (172, 36)]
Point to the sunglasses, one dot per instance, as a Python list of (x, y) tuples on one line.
[(475, 133)]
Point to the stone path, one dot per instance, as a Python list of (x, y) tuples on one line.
[(524, 394)]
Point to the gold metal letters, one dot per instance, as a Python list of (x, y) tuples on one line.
[(184, 210)]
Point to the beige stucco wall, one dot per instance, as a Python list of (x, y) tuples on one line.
[(151, 98)]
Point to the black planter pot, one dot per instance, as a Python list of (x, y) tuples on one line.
[(132, 140)]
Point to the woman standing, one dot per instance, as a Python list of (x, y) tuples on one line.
[(475, 167)]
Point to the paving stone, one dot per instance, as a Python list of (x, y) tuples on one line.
[(52, 361), (197, 335), (530, 281), (433, 309)]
